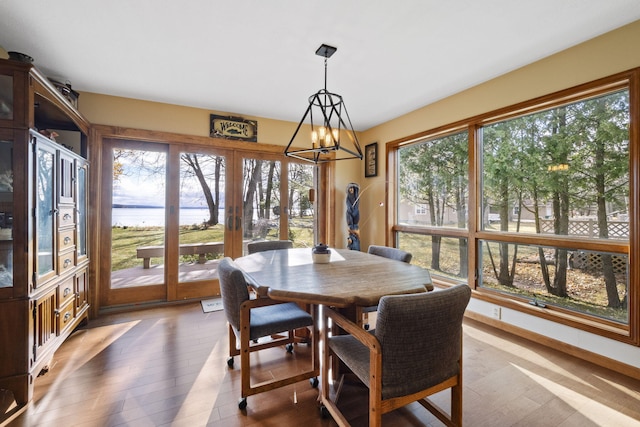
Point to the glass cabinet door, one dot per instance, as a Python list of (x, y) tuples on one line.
[(45, 209), (82, 211), (6, 97), (6, 213)]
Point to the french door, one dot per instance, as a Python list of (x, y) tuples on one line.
[(176, 209)]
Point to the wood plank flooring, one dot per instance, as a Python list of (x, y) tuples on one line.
[(166, 367)]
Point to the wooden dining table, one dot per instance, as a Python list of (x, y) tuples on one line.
[(350, 281)]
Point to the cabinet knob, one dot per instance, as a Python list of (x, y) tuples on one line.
[(66, 217), (67, 263), (67, 240), (66, 317), (66, 292)]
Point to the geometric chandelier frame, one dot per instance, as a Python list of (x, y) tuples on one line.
[(332, 136)]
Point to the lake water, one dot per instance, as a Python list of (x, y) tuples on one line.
[(153, 217)]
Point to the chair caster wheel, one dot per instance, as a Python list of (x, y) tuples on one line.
[(230, 362), (255, 341), (242, 403), (314, 382), (366, 326), (289, 348), (324, 412)]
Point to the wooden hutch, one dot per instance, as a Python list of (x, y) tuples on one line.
[(44, 258)]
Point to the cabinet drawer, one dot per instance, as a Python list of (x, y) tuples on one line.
[(66, 261), (67, 216), (65, 317), (66, 239), (65, 291)]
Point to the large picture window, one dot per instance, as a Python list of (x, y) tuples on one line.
[(550, 221), (565, 173)]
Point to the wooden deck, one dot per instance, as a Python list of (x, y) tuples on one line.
[(140, 276)]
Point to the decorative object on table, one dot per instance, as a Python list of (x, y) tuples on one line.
[(321, 254), (371, 160), (332, 135), (229, 127), (353, 216)]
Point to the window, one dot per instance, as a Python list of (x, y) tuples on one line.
[(549, 225), (433, 182), (420, 209), (564, 172)]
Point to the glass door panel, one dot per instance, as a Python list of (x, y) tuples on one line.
[(138, 217), (301, 221), (45, 210), (201, 215), (261, 201), (6, 213), (6, 97), (82, 211)]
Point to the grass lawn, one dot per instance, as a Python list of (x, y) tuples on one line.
[(125, 240)]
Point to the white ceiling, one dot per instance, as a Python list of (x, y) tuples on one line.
[(257, 58)]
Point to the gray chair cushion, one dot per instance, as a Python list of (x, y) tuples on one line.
[(353, 353), (420, 336), (273, 319), (264, 321)]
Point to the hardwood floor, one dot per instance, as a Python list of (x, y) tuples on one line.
[(167, 367)]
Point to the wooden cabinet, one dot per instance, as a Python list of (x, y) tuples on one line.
[(44, 273)]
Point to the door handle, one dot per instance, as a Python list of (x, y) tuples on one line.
[(230, 220)]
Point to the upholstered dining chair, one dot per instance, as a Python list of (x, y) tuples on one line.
[(250, 319), (391, 253), (268, 245), (414, 352), (386, 252)]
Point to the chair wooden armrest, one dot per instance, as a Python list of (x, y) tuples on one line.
[(353, 329), (397, 367)]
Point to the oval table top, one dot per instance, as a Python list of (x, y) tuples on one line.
[(351, 278)]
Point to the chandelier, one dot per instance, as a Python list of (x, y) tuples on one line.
[(332, 136)]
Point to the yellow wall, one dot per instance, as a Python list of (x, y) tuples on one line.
[(138, 114), (605, 55)]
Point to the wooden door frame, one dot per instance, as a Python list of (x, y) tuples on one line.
[(101, 199), (113, 297)]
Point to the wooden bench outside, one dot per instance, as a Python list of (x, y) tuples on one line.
[(201, 249)]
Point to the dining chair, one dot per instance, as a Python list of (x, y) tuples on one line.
[(391, 253), (397, 367), (268, 245), (302, 335), (250, 319), (386, 252)]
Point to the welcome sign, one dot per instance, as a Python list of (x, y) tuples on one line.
[(233, 128)]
